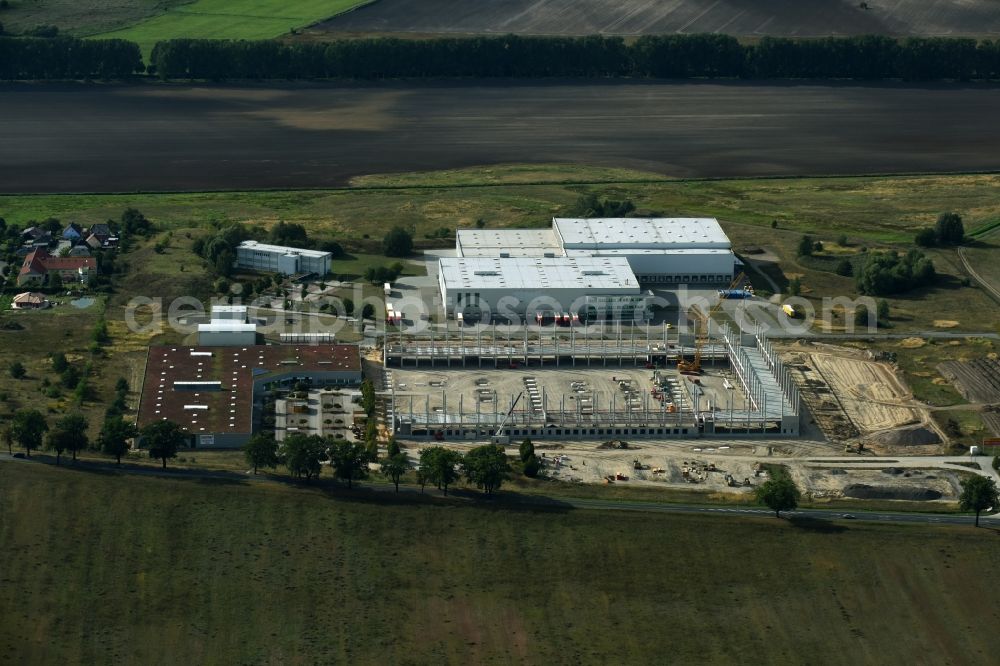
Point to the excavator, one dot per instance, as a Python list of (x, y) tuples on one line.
[(693, 367)]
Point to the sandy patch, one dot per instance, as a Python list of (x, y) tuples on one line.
[(912, 343), (945, 323)]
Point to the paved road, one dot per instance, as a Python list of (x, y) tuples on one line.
[(157, 137), (541, 502)]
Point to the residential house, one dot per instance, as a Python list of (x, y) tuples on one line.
[(36, 237), (102, 231), (30, 300), (101, 235), (40, 264), (67, 248), (72, 232)]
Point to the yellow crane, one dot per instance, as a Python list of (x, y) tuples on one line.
[(693, 367)]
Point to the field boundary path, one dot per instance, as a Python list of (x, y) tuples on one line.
[(513, 500), (994, 292)]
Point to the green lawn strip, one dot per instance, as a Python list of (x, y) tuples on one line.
[(229, 19)]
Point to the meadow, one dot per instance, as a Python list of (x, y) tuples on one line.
[(229, 19)]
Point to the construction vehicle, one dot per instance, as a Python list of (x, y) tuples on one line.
[(498, 436), (790, 311), (693, 367)]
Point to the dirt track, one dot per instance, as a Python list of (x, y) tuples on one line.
[(639, 17), (159, 137)]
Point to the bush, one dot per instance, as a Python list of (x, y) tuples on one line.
[(842, 240), (887, 273), (333, 247), (17, 370), (806, 246), (926, 237), (397, 243), (532, 466), (883, 312), (794, 287), (845, 268), (70, 377), (526, 450), (862, 316), (589, 205), (59, 362)]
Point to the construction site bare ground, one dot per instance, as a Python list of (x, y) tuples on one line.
[(853, 398)]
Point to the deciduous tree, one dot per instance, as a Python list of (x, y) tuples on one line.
[(69, 434), (114, 436), (163, 439), (349, 460), (778, 494), (439, 466), (486, 466), (303, 454), (261, 450), (27, 429), (979, 493), (949, 229), (394, 467)]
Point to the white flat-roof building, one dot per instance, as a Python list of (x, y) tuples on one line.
[(507, 243), (229, 312), (659, 250), (256, 256), (531, 287), (226, 333), (658, 233), (228, 327)]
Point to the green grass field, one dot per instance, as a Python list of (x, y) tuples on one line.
[(102, 568), (81, 17), (230, 19)]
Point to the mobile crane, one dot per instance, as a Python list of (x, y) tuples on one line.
[(693, 367)]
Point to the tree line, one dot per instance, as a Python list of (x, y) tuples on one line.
[(509, 56), (32, 58), (666, 56)]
